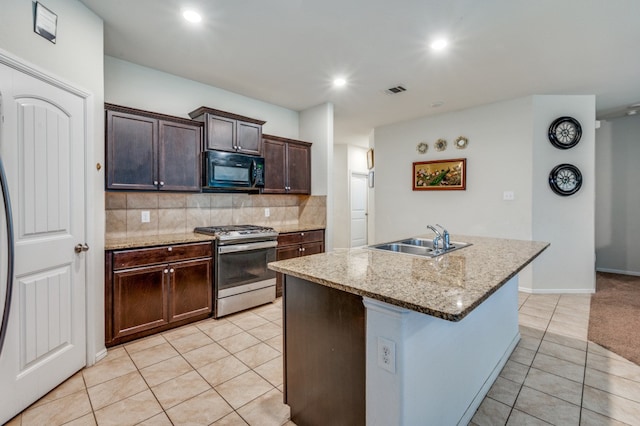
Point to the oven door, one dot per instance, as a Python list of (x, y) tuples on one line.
[(243, 267)]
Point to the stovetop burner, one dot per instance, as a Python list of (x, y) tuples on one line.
[(239, 232)]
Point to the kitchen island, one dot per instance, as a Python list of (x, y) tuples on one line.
[(382, 338)]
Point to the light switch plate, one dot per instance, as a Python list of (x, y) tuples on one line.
[(145, 216), (508, 196)]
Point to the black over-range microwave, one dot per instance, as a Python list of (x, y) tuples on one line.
[(228, 171)]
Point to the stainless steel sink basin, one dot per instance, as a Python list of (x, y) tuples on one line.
[(405, 248), (417, 247)]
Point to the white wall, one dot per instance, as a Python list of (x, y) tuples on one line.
[(568, 223), (508, 151), (77, 59), (316, 126), (617, 196), (145, 88), (498, 159), (347, 159), (341, 196)]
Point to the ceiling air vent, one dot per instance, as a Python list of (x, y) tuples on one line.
[(395, 90)]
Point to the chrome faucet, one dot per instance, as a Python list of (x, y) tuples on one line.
[(444, 237), (437, 238)]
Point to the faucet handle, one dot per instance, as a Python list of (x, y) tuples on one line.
[(445, 238)]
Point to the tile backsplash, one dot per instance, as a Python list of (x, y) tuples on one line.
[(180, 213)]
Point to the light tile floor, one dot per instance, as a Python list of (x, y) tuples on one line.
[(229, 372)]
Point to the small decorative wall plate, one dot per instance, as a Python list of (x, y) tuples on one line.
[(422, 147), (565, 179), (441, 145), (565, 132), (461, 142)]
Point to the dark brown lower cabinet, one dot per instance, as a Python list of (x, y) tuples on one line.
[(296, 244), (149, 290), (324, 354)]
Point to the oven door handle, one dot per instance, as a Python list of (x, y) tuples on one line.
[(234, 248)]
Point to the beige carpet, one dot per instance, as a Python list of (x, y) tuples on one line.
[(614, 321)]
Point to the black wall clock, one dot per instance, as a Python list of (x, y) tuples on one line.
[(565, 179), (565, 132)]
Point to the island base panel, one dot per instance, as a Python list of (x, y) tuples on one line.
[(325, 354)]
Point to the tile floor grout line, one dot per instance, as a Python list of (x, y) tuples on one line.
[(513, 407)]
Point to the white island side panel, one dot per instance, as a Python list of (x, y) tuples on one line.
[(443, 369)]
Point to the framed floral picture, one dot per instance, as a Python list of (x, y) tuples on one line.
[(440, 175)]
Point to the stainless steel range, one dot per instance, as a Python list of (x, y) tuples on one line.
[(242, 279)]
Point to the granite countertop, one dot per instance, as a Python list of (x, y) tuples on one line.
[(448, 287), (155, 240), (297, 228)]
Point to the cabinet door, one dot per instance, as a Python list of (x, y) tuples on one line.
[(312, 248), (132, 144), (191, 289), (275, 166), (140, 299), (249, 137), (299, 169), (179, 162), (221, 133)]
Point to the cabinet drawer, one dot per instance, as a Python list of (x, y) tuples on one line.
[(164, 254), (300, 237)]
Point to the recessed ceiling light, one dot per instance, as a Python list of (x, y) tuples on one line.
[(632, 112), (192, 16), (439, 44), (339, 82)]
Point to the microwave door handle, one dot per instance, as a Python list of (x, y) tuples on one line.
[(252, 172)]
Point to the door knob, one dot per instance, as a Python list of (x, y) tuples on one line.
[(79, 248)]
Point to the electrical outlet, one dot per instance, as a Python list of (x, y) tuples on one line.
[(508, 196), (267, 212), (145, 216), (387, 354)]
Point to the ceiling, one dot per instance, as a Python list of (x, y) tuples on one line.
[(287, 52)]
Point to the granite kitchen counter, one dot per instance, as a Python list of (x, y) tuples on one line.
[(448, 287), (284, 229), (155, 240)]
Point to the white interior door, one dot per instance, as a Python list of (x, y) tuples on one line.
[(42, 143), (358, 194)]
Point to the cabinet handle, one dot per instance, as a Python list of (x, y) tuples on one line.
[(169, 248), (155, 182), (166, 271), (302, 249), (239, 147), (171, 270), (302, 234), (161, 183)]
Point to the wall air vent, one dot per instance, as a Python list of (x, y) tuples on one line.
[(395, 90)]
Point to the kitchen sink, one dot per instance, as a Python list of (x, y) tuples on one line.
[(417, 247)]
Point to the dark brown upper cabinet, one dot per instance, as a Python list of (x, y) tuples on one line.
[(225, 131), (149, 151), (287, 165)]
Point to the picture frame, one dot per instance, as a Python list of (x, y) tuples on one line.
[(439, 175), (45, 22), (370, 159)]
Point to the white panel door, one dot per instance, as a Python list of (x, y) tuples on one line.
[(358, 196), (42, 144)]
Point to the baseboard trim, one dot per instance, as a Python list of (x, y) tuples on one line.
[(618, 271), (557, 290)]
